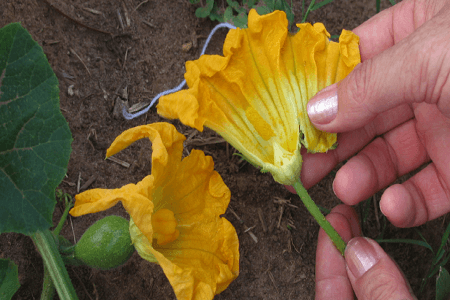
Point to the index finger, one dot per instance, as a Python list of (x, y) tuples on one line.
[(390, 26)]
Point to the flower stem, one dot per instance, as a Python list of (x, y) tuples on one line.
[(48, 249), (315, 212)]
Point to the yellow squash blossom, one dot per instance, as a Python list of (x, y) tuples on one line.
[(255, 95), (175, 214)]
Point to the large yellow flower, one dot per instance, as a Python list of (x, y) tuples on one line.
[(255, 95), (175, 214)]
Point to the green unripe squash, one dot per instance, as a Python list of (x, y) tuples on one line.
[(106, 244)]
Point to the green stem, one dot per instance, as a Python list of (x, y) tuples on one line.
[(315, 212), (48, 249), (48, 288), (58, 228)]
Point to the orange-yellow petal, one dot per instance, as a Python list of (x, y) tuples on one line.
[(195, 192), (204, 258), (255, 95), (136, 204), (200, 269), (167, 145)]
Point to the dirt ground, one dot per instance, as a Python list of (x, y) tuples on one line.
[(100, 59)]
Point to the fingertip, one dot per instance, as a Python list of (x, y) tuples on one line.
[(352, 217), (331, 276), (290, 189), (398, 206), (372, 273), (342, 223), (355, 181)]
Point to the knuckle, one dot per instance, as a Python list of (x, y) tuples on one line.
[(357, 89), (381, 286)]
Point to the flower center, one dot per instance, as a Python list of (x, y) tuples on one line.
[(164, 226)]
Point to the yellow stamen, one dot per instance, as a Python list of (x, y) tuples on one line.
[(164, 226)]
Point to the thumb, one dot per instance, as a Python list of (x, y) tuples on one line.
[(372, 273), (416, 69)]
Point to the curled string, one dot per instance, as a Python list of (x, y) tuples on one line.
[(130, 116)]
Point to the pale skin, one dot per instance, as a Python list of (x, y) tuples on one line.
[(393, 112)]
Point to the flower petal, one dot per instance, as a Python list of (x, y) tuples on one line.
[(319, 64), (137, 205), (240, 96), (255, 96), (167, 145), (204, 266), (195, 192)]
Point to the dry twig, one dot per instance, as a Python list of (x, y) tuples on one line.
[(74, 53), (125, 58), (148, 24), (282, 201), (273, 281), (281, 215), (93, 11), (88, 183), (139, 5), (119, 161), (127, 18), (120, 19), (203, 142), (74, 20), (78, 182), (261, 218), (246, 229)]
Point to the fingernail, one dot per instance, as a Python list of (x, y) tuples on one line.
[(323, 108), (361, 256)]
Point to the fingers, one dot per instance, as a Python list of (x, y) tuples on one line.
[(423, 197), (387, 28), (416, 69), (331, 276), (397, 153), (372, 273), (349, 143)]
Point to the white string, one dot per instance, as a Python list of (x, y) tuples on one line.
[(130, 116)]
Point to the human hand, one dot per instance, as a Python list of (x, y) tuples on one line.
[(400, 91), (366, 269)]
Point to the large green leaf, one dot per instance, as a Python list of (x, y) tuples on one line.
[(34, 136), (9, 279)]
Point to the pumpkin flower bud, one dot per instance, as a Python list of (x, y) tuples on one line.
[(175, 214), (255, 95)]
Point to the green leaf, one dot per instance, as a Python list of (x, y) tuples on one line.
[(241, 21), (441, 250), (251, 3), (405, 241), (443, 285), (9, 279), (233, 4), (320, 4), (203, 12), (228, 14), (262, 10), (35, 140)]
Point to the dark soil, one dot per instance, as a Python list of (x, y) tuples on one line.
[(100, 60)]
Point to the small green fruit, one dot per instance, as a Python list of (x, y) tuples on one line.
[(106, 244)]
